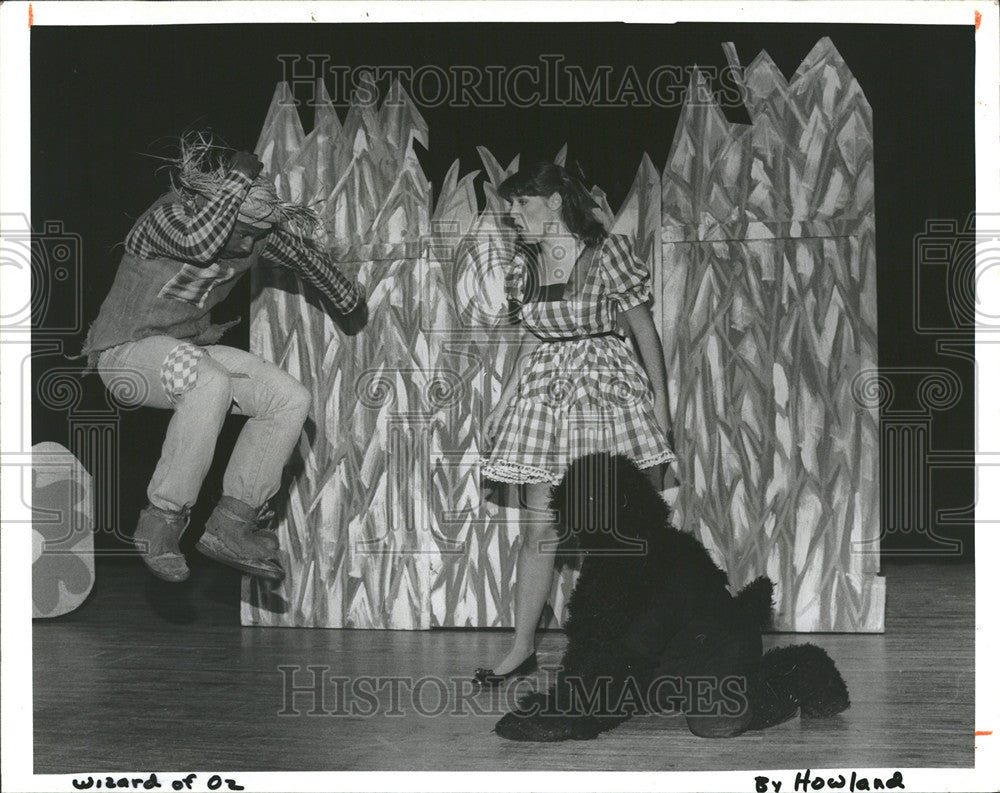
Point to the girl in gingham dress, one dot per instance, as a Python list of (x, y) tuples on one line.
[(580, 386)]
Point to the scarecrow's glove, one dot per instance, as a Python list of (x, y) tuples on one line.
[(246, 163)]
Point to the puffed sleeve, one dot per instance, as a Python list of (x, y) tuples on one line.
[(514, 283), (626, 278)]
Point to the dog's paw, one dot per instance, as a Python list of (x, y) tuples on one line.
[(545, 728), (516, 726)]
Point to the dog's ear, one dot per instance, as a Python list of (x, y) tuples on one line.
[(583, 499), (639, 505), (604, 501), (559, 498)]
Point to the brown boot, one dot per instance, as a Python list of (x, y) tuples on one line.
[(263, 535), (157, 536), (230, 538)]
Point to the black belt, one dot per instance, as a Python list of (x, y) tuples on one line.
[(581, 338)]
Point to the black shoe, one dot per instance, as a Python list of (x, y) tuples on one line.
[(487, 678)]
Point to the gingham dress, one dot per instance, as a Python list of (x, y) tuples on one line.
[(582, 389)]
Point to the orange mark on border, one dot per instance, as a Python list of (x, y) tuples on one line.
[(984, 732), (979, 18), (31, 16)]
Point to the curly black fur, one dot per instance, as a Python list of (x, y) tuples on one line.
[(651, 616)]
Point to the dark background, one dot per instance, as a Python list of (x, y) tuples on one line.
[(102, 97)]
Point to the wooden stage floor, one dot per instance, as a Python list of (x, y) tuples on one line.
[(153, 677)]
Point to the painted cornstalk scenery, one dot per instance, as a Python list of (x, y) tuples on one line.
[(760, 239)]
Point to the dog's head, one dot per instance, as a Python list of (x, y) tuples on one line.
[(605, 503)]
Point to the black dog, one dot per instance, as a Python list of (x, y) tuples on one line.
[(653, 628)]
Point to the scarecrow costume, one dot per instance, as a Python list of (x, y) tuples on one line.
[(154, 344)]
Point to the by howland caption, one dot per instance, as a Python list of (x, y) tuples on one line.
[(805, 780)]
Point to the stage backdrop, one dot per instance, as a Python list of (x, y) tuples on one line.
[(761, 243)]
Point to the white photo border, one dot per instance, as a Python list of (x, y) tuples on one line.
[(15, 22)]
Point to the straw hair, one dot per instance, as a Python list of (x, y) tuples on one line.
[(202, 165)]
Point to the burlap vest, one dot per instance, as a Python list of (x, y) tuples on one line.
[(165, 297)]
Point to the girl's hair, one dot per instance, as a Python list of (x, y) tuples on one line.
[(545, 178)]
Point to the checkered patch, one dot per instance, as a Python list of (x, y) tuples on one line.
[(194, 284), (179, 372)]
